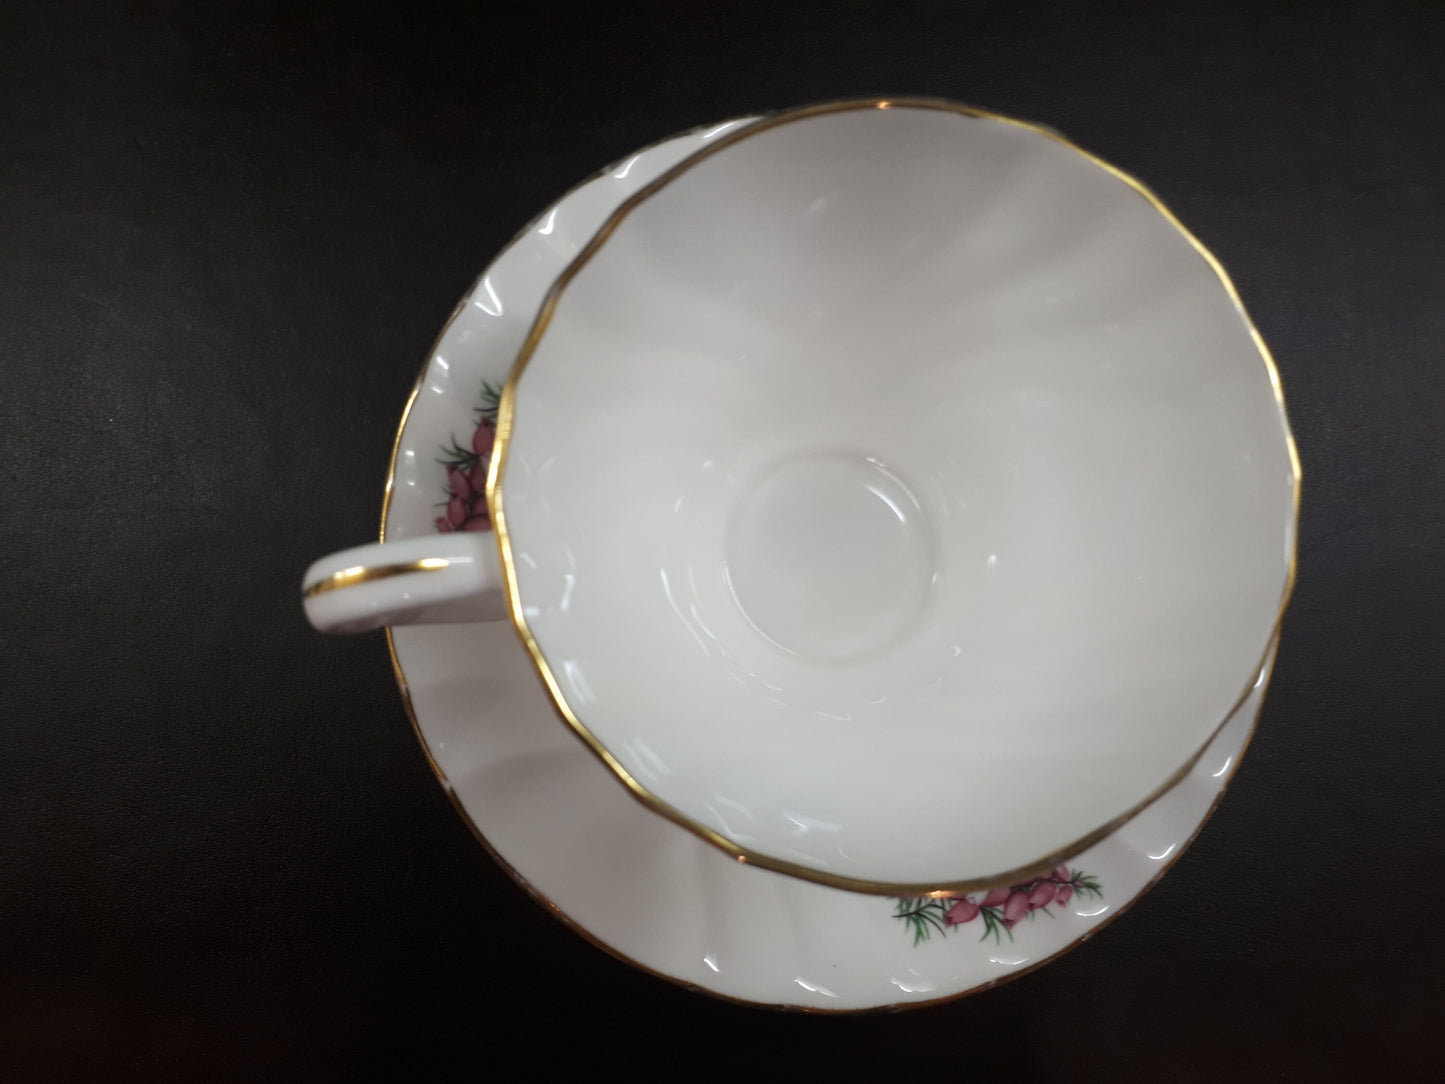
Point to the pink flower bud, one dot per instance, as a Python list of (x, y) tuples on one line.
[(478, 476), (1042, 895), (1066, 892), (479, 522), (1015, 907), (460, 484), (456, 511), (484, 438), (442, 525), (994, 897), (1062, 874), (962, 911)]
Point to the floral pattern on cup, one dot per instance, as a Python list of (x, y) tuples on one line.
[(466, 479), (999, 909)]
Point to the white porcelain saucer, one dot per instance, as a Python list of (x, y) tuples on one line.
[(635, 884)]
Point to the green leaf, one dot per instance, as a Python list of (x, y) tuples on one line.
[(923, 916), (457, 456), (993, 924), (491, 400)]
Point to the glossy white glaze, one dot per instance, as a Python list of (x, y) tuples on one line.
[(641, 887), (887, 467)]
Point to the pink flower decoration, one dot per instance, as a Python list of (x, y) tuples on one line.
[(994, 897), (456, 511), (1002, 908), (466, 471), (1042, 895), (484, 438), (1014, 908), (962, 911)]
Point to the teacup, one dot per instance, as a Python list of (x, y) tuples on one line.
[(892, 494)]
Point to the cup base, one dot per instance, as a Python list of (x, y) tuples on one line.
[(830, 556)]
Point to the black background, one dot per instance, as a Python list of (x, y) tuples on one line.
[(228, 235)]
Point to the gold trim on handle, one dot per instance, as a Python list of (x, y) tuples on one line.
[(350, 577), (496, 505)]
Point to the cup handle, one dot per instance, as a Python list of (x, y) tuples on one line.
[(427, 580)]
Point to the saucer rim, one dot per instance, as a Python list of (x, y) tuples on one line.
[(511, 591), (576, 927)]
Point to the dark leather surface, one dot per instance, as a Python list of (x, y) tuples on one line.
[(228, 234)]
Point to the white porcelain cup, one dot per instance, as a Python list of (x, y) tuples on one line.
[(892, 494)]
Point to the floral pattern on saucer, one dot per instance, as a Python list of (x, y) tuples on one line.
[(466, 467), (1001, 909)]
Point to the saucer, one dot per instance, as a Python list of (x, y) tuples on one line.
[(638, 886)]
